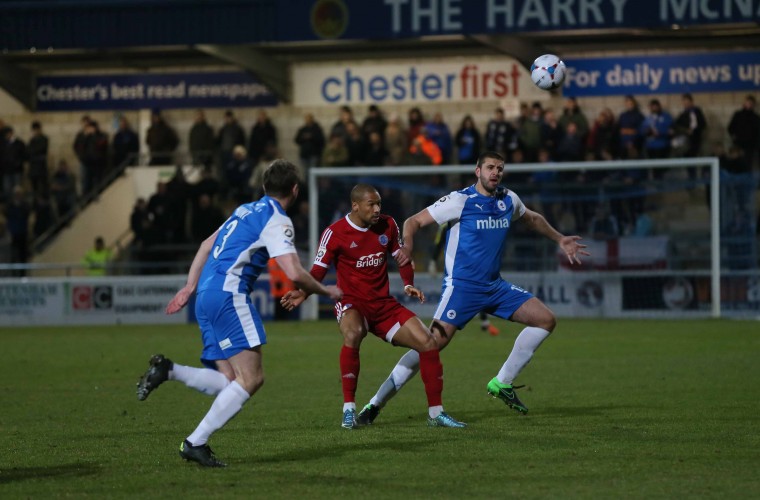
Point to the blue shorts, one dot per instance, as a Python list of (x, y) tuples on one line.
[(460, 303), (229, 324)]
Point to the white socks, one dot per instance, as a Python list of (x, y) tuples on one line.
[(226, 405), (405, 369), (525, 345), (205, 380), (434, 411), (349, 406)]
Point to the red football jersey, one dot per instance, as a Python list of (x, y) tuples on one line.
[(360, 257)]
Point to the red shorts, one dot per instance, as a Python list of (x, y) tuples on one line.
[(382, 317)]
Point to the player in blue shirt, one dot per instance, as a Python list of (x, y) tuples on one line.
[(222, 275), (480, 217)]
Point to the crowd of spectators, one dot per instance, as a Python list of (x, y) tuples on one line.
[(232, 162), (541, 135)]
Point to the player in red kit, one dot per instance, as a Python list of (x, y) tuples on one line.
[(359, 245)]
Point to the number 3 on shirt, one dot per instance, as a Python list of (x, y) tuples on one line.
[(230, 228)]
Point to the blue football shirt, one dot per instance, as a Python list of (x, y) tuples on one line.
[(253, 233), (477, 235)]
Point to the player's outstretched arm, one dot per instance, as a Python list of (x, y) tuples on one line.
[(201, 256), (569, 244), (293, 269), (411, 226)]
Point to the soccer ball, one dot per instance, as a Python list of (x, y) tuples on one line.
[(547, 72)]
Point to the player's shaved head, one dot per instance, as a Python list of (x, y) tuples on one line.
[(360, 191)]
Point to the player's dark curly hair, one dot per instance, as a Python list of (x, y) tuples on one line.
[(280, 177), (488, 154)]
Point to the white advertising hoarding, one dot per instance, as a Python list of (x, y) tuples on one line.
[(413, 81), (86, 301), (578, 295), (107, 300)]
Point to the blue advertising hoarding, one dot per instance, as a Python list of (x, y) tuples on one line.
[(667, 74), (147, 91), (112, 23), (363, 19)]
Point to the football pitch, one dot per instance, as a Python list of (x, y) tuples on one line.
[(618, 409)]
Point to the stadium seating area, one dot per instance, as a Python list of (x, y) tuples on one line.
[(605, 204)]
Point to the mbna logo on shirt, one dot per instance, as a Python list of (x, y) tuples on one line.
[(491, 223)]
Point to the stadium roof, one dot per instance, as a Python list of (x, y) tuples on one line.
[(87, 43)]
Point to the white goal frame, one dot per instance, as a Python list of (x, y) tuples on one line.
[(311, 310)]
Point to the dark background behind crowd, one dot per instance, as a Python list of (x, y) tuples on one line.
[(602, 203)]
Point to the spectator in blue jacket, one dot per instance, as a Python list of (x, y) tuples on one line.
[(439, 133), (468, 142), (629, 129), (656, 131)]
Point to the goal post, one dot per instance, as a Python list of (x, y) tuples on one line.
[(413, 187)]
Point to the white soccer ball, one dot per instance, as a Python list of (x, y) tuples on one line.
[(547, 72)]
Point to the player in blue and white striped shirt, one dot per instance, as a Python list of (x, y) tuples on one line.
[(480, 217), (223, 272)]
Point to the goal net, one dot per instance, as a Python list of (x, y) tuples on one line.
[(669, 238)]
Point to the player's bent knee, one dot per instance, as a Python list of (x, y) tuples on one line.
[(429, 344), (226, 370), (353, 338), (251, 383), (548, 323)]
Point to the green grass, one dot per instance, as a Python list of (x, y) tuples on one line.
[(657, 409)]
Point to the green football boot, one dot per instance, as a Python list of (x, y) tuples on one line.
[(506, 392)]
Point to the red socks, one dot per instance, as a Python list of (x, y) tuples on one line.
[(349, 372), (431, 371)]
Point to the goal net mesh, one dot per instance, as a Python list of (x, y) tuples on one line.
[(659, 247)]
